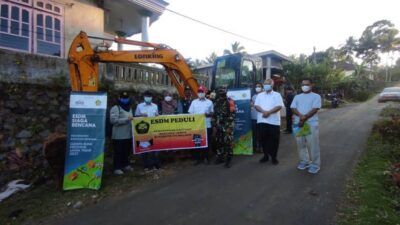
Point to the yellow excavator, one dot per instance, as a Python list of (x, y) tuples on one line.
[(84, 62)]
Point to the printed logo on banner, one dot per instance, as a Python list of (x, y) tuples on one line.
[(142, 127), (98, 102), (79, 102)]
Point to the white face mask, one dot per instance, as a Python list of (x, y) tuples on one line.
[(201, 95), (305, 88), (167, 98), (148, 99), (258, 89)]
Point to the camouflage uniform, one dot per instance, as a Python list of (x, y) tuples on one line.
[(224, 120)]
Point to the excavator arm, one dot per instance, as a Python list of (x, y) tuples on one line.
[(84, 69)]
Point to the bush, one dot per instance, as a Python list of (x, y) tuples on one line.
[(388, 129), (360, 96)]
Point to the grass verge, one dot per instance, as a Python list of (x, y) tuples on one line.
[(371, 196)]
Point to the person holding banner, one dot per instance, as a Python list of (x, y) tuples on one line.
[(268, 104), (120, 118), (148, 109), (202, 105)]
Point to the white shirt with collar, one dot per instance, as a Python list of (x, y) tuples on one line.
[(202, 106), (149, 109), (268, 101)]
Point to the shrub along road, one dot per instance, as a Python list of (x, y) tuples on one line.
[(249, 192)]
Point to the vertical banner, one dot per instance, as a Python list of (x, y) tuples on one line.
[(85, 144), (243, 134)]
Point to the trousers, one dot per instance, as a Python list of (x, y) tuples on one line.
[(269, 138)]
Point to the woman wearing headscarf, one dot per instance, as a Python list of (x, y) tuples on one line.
[(120, 118)]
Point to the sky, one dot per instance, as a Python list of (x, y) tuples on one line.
[(287, 26)]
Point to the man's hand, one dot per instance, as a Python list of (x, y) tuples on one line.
[(266, 114), (303, 118), (229, 130), (130, 118)]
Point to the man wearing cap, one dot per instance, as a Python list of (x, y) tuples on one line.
[(185, 102), (224, 116), (120, 118), (202, 105)]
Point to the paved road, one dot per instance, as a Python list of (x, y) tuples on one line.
[(249, 192)]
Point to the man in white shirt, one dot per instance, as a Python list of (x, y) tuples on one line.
[(148, 109), (204, 106), (305, 107), (268, 104)]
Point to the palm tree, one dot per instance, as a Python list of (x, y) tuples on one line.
[(236, 48), (210, 59)]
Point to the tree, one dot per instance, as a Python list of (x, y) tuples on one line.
[(211, 58), (235, 48)]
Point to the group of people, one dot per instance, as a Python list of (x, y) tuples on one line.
[(219, 122), (301, 112), (219, 111)]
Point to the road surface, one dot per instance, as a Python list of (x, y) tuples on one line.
[(250, 192)]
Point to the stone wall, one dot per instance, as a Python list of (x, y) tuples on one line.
[(29, 113)]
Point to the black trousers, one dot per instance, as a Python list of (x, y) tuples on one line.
[(256, 138), (122, 151), (204, 153), (269, 138), (289, 115)]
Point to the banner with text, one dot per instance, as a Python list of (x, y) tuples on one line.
[(243, 132), (85, 144), (169, 132)]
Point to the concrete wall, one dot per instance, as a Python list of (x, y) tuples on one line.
[(17, 67), (83, 15)]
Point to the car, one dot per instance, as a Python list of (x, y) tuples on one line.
[(389, 94)]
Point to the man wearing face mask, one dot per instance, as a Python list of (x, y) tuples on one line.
[(258, 89), (202, 105), (268, 104), (224, 117), (169, 105), (148, 109), (184, 103), (120, 118), (305, 107)]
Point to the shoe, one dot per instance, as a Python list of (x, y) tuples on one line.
[(303, 166), (219, 160), (275, 162), (313, 169), (264, 159), (228, 162), (206, 161), (118, 172), (196, 163), (128, 168)]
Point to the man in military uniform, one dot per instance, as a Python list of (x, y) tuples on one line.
[(224, 115)]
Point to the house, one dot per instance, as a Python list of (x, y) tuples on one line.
[(47, 27), (272, 63)]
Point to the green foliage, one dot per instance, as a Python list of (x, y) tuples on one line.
[(371, 197), (235, 48)]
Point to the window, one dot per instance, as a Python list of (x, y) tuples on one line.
[(15, 25), (31, 26), (48, 34), (247, 74)]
